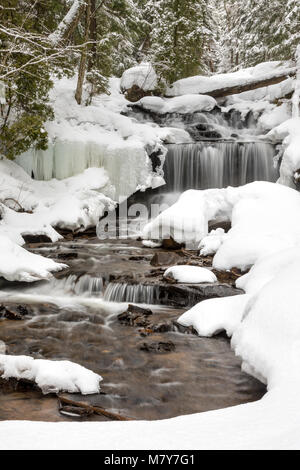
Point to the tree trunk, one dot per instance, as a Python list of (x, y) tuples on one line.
[(83, 58), (69, 23)]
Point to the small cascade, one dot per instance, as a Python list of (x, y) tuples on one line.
[(83, 286), (135, 293), (205, 165)]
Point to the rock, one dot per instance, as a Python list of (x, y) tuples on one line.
[(215, 224), (170, 244), (187, 330), (135, 93), (14, 312), (159, 348), (135, 316), (163, 258), (29, 238), (65, 256)]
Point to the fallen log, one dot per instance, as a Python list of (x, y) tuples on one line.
[(91, 409), (216, 90)]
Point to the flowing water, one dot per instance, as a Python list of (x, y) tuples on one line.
[(71, 320)]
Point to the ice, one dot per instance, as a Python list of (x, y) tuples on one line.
[(51, 376), (190, 274)]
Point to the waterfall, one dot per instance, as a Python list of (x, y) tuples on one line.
[(135, 293), (205, 165)]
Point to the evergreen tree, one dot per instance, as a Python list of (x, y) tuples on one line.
[(179, 37)]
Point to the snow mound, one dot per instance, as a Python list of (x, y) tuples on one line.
[(142, 75), (212, 316), (51, 376), (289, 132), (17, 264), (202, 85), (181, 104), (190, 274), (263, 217)]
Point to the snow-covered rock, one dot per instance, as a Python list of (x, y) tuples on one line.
[(17, 264), (190, 274), (142, 75), (263, 217), (51, 376), (181, 104)]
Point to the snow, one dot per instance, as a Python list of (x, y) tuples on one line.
[(262, 216), (190, 274), (212, 316), (17, 264), (51, 376), (97, 135), (181, 104), (58, 34), (142, 75), (2, 93), (202, 85)]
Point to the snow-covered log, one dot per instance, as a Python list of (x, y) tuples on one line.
[(68, 23)]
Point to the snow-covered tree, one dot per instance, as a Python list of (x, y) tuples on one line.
[(178, 37)]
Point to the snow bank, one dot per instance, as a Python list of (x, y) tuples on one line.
[(51, 376), (17, 264), (181, 104), (142, 75), (212, 316), (190, 274), (202, 85), (289, 132), (263, 217)]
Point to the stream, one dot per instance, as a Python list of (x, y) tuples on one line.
[(152, 368)]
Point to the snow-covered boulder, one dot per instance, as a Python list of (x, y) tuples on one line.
[(51, 376), (181, 104), (190, 274), (143, 76)]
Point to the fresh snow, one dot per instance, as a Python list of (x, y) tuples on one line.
[(263, 217), (202, 85), (51, 376), (190, 274), (142, 75), (181, 104)]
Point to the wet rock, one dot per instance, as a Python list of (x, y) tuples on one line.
[(215, 224), (188, 295), (135, 93), (171, 244), (163, 258), (36, 238), (158, 348), (187, 330), (135, 316), (14, 312)]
